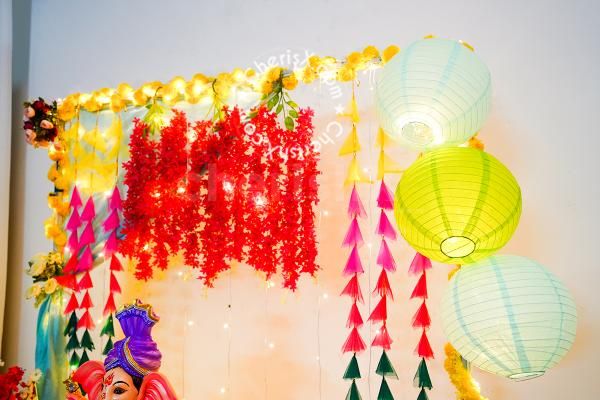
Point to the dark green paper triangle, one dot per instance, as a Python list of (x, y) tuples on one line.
[(108, 329), (108, 347), (423, 395), (352, 370), (71, 327), (84, 358), (385, 367), (353, 393), (384, 391), (86, 341), (72, 344), (74, 362), (422, 378)]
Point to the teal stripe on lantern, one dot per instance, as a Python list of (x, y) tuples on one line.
[(510, 316)]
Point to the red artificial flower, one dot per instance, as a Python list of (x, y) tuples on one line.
[(224, 195)]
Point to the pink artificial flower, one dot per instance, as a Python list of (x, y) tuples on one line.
[(29, 112), (45, 124), (29, 136)]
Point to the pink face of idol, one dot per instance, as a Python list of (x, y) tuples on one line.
[(118, 385)]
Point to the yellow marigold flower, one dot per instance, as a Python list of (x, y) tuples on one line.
[(33, 291), (52, 173), (201, 78), (308, 75), (63, 209), (354, 58), (266, 88), (346, 74), (50, 286), (222, 87), (92, 104), (60, 239), (53, 201), (224, 77), (169, 94), (314, 61), (139, 97), (54, 154), (51, 230), (125, 91), (389, 52), (66, 109), (370, 52), (117, 103), (61, 183), (273, 74), (250, 73), (238, 75), (290, 82)]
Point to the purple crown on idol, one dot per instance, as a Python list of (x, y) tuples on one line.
[(137, 353)]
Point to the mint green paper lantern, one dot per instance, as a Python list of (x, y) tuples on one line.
[(433, 94), (510, 316)]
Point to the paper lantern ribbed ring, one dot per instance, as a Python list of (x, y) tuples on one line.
[(457, 205), (435, 93), (510, 316)]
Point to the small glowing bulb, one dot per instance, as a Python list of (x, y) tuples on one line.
[(107, 193), (180, 190), (271, 345), (156, 195), (146, 247), (99, 321), (180, 273), (192, 136), (223, 390), (370, 245), (260, 201), (365, 169), (101, 254), (325, 296), (190, 323), (225, 325), (317, 358), (325, 213), (67, 249), (228, 187)]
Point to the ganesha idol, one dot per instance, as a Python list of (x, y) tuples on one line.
[(130, 370)]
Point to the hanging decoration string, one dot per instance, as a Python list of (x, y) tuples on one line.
[(354, 239)]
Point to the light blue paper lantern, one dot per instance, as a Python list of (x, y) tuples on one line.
[(510, 316), (433, 94)]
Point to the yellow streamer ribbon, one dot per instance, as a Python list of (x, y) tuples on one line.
[(356, 174), (351, 144)]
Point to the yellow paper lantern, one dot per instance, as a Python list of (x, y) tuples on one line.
[(509, 316), (436, 93), (457, 205)]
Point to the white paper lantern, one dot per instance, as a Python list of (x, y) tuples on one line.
[(510, 316), (435, 93)]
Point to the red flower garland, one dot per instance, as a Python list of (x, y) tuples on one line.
[(232, 190)]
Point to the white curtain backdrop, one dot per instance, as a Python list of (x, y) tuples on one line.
[(5, 134)]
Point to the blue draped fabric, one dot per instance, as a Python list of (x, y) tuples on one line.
[(50, 356)]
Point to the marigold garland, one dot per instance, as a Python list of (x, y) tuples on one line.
[(223, 84), (460, 376)]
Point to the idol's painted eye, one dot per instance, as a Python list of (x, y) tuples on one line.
[(119, 390)]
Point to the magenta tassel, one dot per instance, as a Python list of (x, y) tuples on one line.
[(73, 243), (75, 199), (89, 212), (384, 227), (385, 258), (85, 261), (355, 207), (111, 246), (87, 236), (353, 265), (353, 236), (74, 221), (115, 200), (112, 222), (419, 264), (385, 199)]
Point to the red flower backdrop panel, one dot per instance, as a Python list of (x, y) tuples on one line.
[(236, 189)]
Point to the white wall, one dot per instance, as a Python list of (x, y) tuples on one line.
[(544, 58)]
